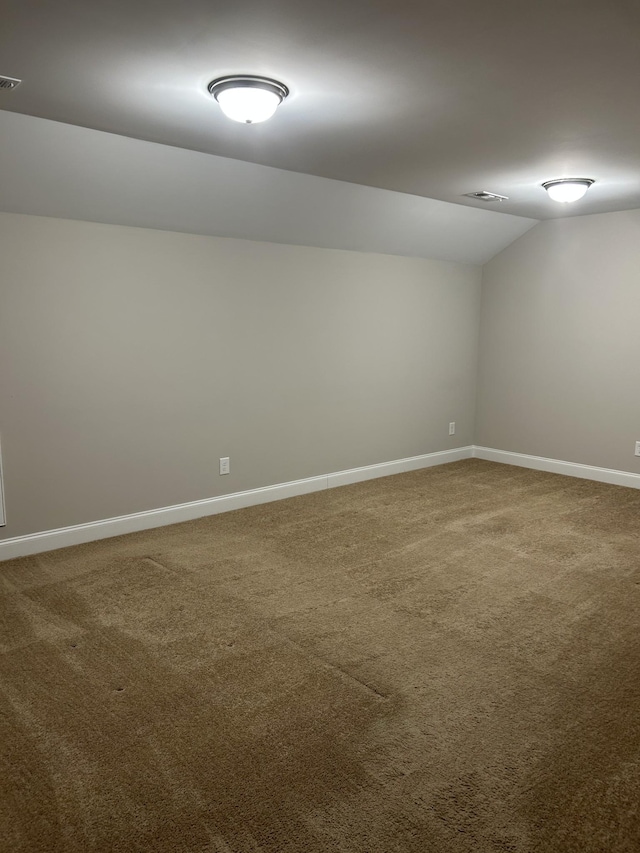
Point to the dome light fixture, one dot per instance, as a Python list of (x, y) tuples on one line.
[(567, 189), (248, 99)]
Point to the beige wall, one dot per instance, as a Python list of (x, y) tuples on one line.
[(131, 360), (559, 367)]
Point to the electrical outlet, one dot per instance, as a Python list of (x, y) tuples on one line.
[(452, 428), (637, 448), (225, 466)]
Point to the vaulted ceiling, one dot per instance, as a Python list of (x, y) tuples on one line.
[(434, 98)]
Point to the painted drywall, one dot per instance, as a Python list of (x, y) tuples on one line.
[(560, 343), (52, 169), (132, 359)]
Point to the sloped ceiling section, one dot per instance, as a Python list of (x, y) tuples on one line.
[(52, 169)]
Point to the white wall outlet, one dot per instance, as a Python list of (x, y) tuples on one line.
[(637, 448), (3, 518), (225, 466), (452, 428)]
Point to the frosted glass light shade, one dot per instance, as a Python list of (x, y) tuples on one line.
[(248, 105), (567, 189), (248, 99)]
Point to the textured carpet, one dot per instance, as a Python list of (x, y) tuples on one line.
[(446, 660)]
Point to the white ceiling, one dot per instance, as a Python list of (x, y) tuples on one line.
[(433, 98)]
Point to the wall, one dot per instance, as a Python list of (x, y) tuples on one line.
[(560, 343), (131, 359)]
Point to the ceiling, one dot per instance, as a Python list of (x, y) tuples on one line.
[(434, 98)]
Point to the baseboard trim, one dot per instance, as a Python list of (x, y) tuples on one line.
[(398, 466), (557, 466), (35, 543)]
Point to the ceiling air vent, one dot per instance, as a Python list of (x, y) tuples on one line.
[(485, 196), (9, 82)]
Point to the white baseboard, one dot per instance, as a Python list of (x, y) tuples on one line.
[(399, 466), (35, 543), (557, 466)]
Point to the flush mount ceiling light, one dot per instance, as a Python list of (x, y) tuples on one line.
[(248, 99), (567, 189)]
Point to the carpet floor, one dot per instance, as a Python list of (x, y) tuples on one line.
[(446, 660)]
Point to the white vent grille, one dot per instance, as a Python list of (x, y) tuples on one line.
[(9, 82), (485, 196)]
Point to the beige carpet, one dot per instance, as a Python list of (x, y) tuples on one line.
[(447, 661)]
